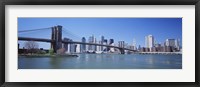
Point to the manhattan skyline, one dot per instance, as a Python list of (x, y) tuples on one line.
[(119, 29)]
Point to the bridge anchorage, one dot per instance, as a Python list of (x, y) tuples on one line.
[(57, 41)]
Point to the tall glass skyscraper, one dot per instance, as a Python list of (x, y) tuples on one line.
[(92, 39), (111, 41), (83, 46), (102, 41)]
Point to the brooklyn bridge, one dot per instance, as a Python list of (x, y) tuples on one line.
[(56, 40)]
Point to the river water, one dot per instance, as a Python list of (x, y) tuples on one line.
[(103, 61)]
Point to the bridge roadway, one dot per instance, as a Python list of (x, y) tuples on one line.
[(68, 42)]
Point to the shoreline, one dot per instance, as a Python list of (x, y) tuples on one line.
[(47, 55)]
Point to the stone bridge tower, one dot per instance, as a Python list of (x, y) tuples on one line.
[(56, 36)]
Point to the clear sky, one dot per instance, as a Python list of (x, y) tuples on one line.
[(119, 29)]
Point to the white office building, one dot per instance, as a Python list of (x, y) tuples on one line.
[(78, 48), (177, 44), (134, 44), (149, 41)]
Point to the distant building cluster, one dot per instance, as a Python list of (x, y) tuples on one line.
[(83, 48), (170, 45)]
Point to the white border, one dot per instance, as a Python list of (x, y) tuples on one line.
[(187, 74)]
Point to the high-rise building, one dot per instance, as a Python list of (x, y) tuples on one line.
[(78, 48), (83, 46), (105, 42), (75, 46), (158, 47), (134, 44), (177, 44), (87, 46), (68, 48), (111, 41), (111, 48), (170, 42), (65, 45), (71, 47), (139, 48), (94, 47), (99, 47), (149, 41), (102, 40), (90, 40)]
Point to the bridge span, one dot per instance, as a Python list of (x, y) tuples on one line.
[(122, 50)]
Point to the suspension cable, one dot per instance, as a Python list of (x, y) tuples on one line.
[(34, 30)]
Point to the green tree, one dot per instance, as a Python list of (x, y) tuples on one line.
[(51, 51)]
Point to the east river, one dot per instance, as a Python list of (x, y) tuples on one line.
[(104, 61)]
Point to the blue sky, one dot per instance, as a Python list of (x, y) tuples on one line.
[(119, 29)]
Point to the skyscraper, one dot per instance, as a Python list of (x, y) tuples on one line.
[(149, 41), (111, 41), (177, 44), (99, 47), (102, 40), (105, 43), (134, 44), (71, 47), (78, 48), (94, 47), (65, 45), (170, 45), (90, 40), (170, 42), (83, 46)]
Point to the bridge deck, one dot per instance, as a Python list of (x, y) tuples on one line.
[(72, 42)]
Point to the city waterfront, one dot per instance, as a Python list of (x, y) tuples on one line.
[(103, 61), (100, 43)]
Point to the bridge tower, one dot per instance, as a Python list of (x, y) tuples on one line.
[(56, 36), (121, 50)]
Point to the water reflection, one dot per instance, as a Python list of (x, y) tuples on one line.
[(104, 61)]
